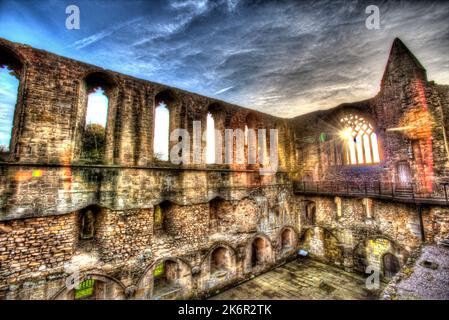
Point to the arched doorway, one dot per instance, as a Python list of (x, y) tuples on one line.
[(93, 287), (257, 252), (391, 265), (165, 276), (287, 240)]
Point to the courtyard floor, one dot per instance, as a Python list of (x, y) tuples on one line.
[(302, 279)]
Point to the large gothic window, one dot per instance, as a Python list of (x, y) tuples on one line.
[(360, 141)]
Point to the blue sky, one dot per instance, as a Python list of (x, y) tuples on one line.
[(285, 58), (8, 96)]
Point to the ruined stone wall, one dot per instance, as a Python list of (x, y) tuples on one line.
[(354, 233), (46, 186), (41, 252), (53, 106)]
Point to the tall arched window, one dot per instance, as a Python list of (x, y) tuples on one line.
[(94, 139), (360, 141), (9, 87), (161, 132), (98, 90), (210, 139), (246, 135)]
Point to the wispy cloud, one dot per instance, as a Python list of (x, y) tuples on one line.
[(223, 90)]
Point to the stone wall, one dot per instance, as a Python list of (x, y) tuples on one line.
[(408, 116), (223, 223)]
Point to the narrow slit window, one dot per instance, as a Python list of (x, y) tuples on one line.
[(210, 139), (161, 132)]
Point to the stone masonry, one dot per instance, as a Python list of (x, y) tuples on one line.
[(144, 228)]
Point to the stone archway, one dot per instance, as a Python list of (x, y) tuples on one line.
[(93, 287), (218, 267), (259, 253), (287, 240), (165, 279), (381, 253)]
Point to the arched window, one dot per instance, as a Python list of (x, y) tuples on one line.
[(94, 139), (9, 87), (164, 106), (210, 139), (161, 132), (98, 88), (360, 141), (161, 212), (251, 138)]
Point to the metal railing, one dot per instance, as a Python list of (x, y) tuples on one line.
[(436, 193)]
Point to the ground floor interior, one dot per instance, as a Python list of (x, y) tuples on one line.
[(303, 279)]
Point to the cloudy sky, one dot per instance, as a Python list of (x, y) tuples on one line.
[(284, 58)]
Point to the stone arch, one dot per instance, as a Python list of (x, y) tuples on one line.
[(287, 239), (216, 112), (310, 212), (322, 244), (106, 148), (87, 219), (178, 279), (259, 253), (218, 266), (357, 126), (162, 215), (88, 224), (105, 287), (372, 250), (164, 122), (17, 64), (13, 58)]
